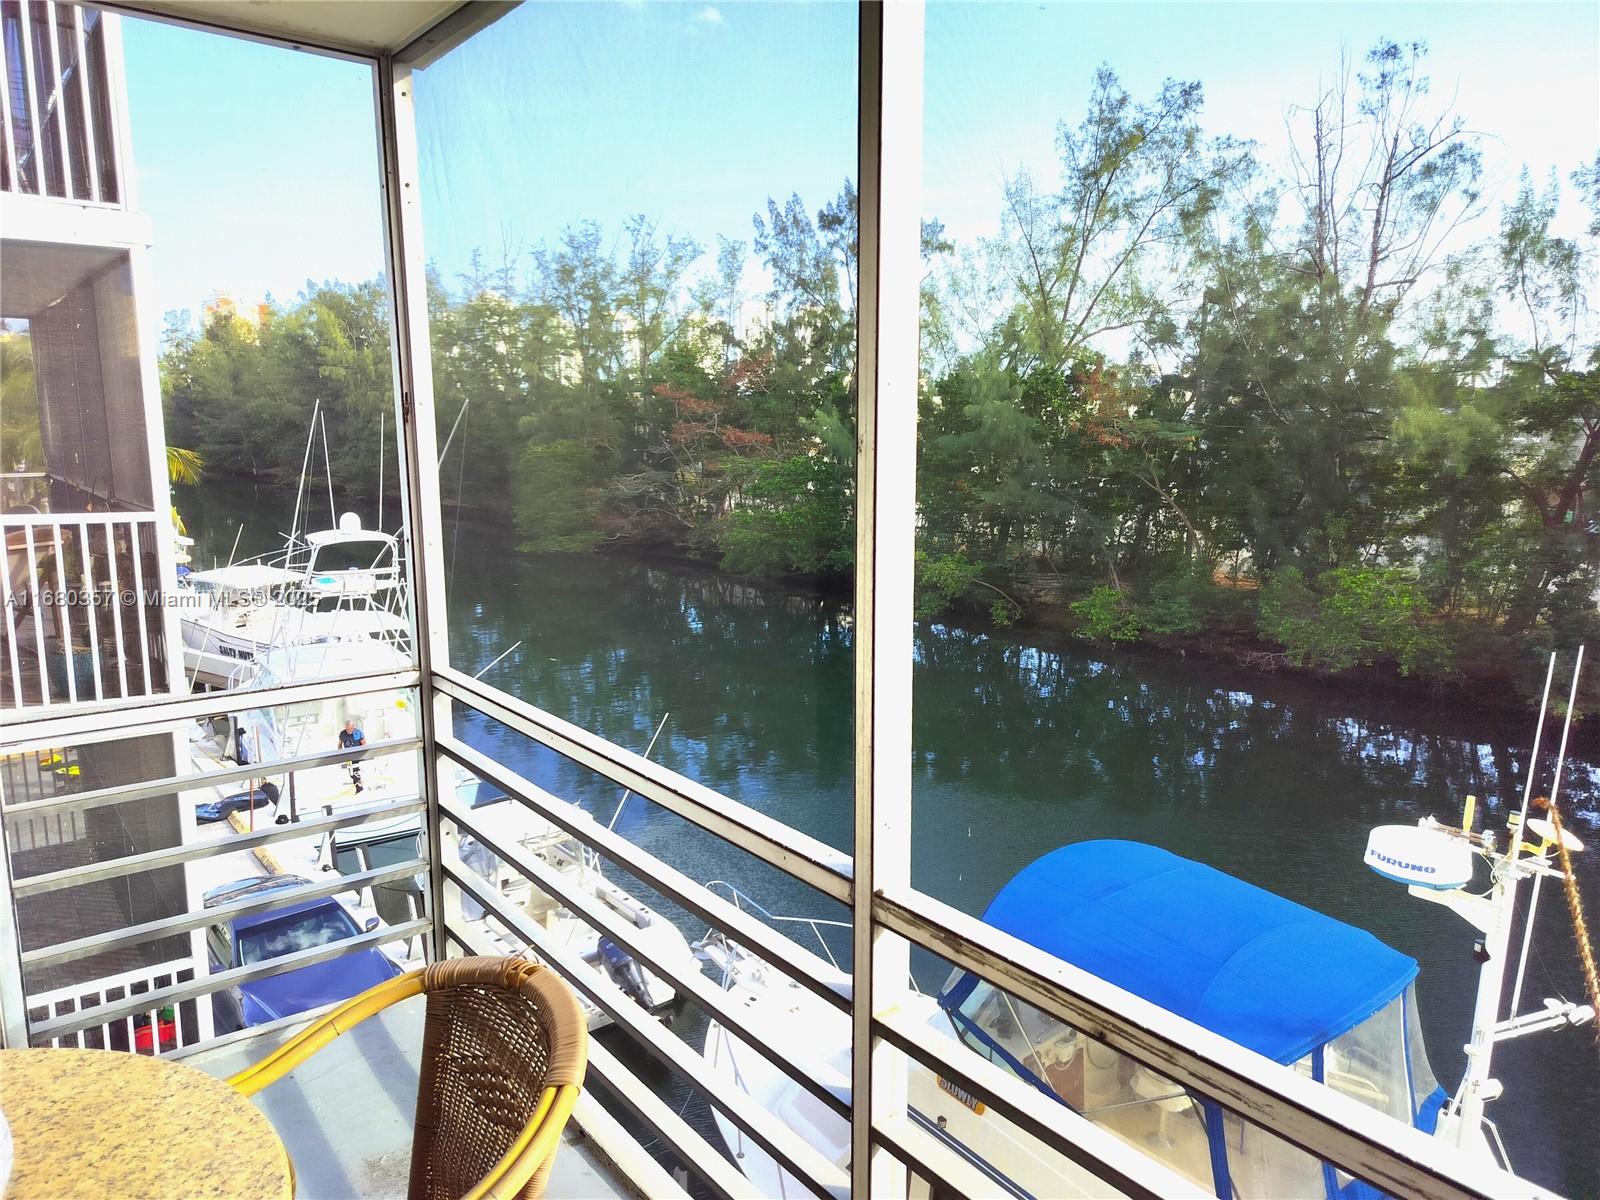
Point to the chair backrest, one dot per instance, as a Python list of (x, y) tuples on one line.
[(498, 1032)]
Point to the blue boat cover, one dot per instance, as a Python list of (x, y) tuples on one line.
[(1266, 972)]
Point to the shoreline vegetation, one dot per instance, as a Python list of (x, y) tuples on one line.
[(1331, 418)]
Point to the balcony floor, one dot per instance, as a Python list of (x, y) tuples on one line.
[(345, 1114)]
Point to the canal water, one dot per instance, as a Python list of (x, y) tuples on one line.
[(1022, 744)]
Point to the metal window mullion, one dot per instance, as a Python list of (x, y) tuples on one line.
[(203, 985), (142, 714), (30, 97), (696, 986), (171, 856), (418, 439), (805, 858), (123, 793), (643, 1100), (109, 527), (890, 174), (787, 1147), (771, 946), (116, 85), (133, 935)]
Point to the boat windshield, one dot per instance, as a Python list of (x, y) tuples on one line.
[(366, 554), (1158, 1115), (1109, 1088), (1368, 1063)]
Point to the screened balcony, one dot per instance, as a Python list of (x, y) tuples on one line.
[(132, 813)]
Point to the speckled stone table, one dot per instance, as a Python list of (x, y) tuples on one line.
[(102, 1123)]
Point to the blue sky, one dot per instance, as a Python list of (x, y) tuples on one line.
[(259, 169)]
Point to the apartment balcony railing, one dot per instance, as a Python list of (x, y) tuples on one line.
[(60, 137), (83, 601)]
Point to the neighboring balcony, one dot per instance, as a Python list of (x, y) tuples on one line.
[(62, 138)]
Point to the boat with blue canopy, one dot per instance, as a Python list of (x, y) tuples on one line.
[(1301, 988), (1293, 984)]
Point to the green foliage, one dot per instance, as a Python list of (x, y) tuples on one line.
[(558, 496), (1354, 616), (21, 445), (1181, 604), (1165, 362), (942, 580), (793, 519), (1106, 615)]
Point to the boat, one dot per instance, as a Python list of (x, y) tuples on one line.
[(580, 868), (1310, 992), (326, 586)]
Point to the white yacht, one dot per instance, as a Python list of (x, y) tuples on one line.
[(329, 586)]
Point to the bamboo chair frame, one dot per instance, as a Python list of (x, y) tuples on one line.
[(524, 1167)]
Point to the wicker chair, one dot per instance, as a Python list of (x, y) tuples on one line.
[(504, 1048)]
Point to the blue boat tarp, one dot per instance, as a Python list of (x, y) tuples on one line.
[(1263, 971)]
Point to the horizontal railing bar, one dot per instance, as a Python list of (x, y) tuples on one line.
[(173, 855), (791, 1152), (720, 1175), (1400, 1161), (20, 520), (702, 990), (1126, 1168), (143, 1002), (126, 792), (133, 935), (47, 726), (926, 1156), (807, 859), (776, 949), (622, 1149)]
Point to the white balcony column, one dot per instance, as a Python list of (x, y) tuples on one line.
[(419, 449), (890, 175)]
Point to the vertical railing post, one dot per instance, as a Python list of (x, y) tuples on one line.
[(414, 419), (890, 140)]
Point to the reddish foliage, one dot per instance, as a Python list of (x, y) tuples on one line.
[(745, 439)]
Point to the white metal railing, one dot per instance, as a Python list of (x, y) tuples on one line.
[(1358, 1139), (83, 600), (145, 1025), (60, 127)]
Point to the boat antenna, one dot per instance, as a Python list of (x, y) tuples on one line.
[(327, 470), (239, 533), (1533, 759), (382, 417), (498, 657), (453, 427), (305, 465), (647, 750), (1569, 882), (1519, 833)]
